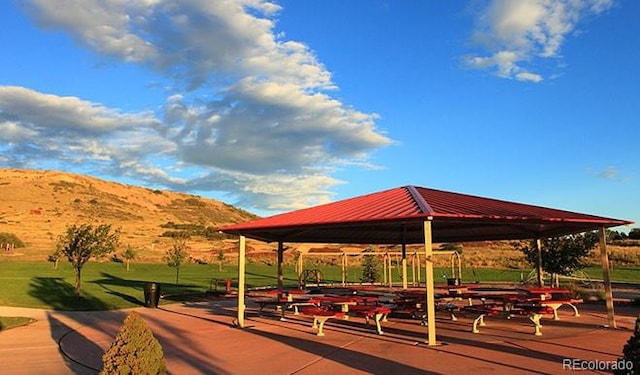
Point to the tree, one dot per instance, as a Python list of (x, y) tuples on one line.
[(81, 243), (561, 255), (55, 256), (220, 258), (177, 254), (134, 351), (634, 234), (129, 254), (370, 265)]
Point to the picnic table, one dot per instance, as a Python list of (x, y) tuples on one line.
[(363, 306)]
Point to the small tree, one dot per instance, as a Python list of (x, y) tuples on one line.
[(220, 258), (55, 256), (561, 255), (631, 354), (370, 265), (134, 351), (129, 254), (177, 254), (81, 243)]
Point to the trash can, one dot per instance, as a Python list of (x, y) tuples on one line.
[(151, 295), (454, 281)]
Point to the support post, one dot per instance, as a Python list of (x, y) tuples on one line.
[(390, 271), (384, 269), (430, 308), (606, 276), (404, 266), (343, 260), (300, 265), (280, 264), (241, 282), (539, 263)]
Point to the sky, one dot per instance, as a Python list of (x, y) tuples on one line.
[(274, 106)]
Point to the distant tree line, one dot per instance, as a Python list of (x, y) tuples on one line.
[(10, 239), (191, 230), (612, 235)]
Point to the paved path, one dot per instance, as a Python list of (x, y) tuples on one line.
[(198, 338)]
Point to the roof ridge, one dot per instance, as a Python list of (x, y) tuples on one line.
[(419, 199)]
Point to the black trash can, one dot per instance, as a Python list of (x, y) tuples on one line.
[(151, 294), (454, 281)]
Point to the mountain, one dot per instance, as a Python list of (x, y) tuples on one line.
[(38, 205)]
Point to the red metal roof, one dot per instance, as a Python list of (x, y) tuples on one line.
[(396, 216)]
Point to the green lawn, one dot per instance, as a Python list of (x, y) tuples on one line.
[(108, 286), (8, 322)]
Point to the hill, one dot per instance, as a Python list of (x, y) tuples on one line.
[(38, 205)]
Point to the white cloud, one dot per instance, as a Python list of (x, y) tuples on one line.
[(49, 112), (250, 114), (515, 34), (43, 127)]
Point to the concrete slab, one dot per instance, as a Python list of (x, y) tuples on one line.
[(199, 338)]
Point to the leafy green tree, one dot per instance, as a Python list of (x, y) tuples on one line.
[(134, 351), (634, 234), (80, 243), (177, 255), (561, 255), (370, 267), (129, 254)]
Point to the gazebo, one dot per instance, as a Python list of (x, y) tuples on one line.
[(416, 215)]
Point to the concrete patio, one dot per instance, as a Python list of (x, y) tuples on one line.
[(198, 337)]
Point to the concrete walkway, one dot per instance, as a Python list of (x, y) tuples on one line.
[(199, 338)]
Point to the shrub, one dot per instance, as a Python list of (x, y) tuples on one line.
[(134, 351), (631, 353)]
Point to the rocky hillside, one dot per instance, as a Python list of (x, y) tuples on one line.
[(37, 206)]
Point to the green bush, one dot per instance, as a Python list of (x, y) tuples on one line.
[(134, 351), (631, 354)]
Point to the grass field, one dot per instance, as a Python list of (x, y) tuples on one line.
[(107, 286)]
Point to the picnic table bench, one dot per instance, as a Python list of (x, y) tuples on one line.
[(282, 304), (320, 316), (378, 313), (533, 311)]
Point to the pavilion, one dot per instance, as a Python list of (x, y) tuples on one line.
[(417, 215)]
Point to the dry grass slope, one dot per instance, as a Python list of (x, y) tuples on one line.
[(38, 205)]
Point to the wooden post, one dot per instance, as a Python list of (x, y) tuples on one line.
[(241, 276), (606, 275), (539, 263), (430, 308)]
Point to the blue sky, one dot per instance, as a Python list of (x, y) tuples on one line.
[(274, 106)]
